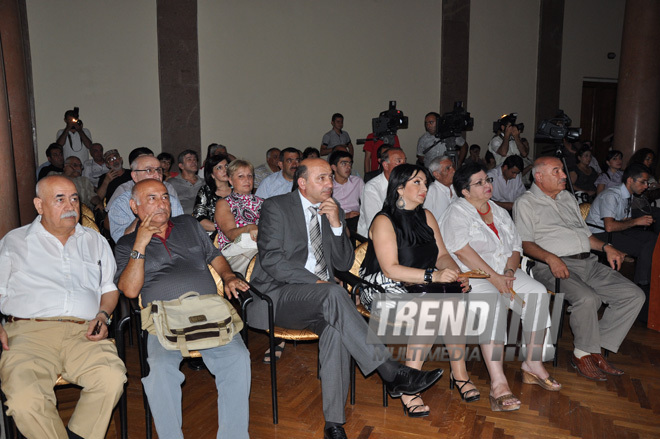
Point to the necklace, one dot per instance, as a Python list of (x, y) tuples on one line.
[(486, 212)]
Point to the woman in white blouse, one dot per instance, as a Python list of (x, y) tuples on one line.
[(481, 235)]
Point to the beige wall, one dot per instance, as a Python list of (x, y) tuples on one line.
[(103, 58), (592, 28), (502, 75), (273, 72)]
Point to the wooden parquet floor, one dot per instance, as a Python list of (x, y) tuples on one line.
[(622, 407)]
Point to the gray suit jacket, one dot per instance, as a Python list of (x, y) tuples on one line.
[(282, 244)]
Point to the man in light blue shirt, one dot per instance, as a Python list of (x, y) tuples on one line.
[(280, 182), (610, 213), (121, 217)]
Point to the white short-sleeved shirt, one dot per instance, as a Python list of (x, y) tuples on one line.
[(373, 197), (503, 190), (40, 277), (461, 225), (494, 145), (438, 199), (74, 145)]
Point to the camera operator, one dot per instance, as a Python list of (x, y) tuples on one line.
[(429, 146), (75, 139), (508, 129)]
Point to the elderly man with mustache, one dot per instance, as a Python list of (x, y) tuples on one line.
[(57, 289), (552, 229)]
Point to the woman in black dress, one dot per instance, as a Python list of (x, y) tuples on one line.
[(405, 246)]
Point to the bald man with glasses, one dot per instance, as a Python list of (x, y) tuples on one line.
[(122, 219)]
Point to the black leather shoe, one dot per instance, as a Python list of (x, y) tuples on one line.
[(411, 381), (335, 432)]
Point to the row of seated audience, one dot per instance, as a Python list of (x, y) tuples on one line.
[(411, 239)]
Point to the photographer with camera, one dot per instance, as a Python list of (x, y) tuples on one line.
[(506, 128), (430, 145), (74, 139)]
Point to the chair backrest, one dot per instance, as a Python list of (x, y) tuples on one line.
[(584, 210), (87, 217), (250, 268), (360, 252)]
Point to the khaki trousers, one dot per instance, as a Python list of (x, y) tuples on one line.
[(38, 352)]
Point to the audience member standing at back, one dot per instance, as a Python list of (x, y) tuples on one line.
[(336, 136), (74, 139)]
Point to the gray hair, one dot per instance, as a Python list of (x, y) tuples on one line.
[(434, 166)]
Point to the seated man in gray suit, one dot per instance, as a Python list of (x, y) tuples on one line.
[(302, 240)]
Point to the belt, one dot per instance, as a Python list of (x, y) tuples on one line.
[(584, 255), (12, 319)]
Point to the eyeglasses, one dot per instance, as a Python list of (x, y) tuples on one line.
[(345, 163), (643, 182), (150, 171), (488, 180)]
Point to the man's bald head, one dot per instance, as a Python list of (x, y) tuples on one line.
[(146, 167), (149, 197), (549, 175)]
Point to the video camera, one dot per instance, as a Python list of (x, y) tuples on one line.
[(453, 123), (506, 120), (388, 123), (558, 128)]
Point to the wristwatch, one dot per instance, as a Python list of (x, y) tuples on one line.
[(107, 316), (136, 255), (428, 275)]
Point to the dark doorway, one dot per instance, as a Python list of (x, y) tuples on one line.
[(597, 116)]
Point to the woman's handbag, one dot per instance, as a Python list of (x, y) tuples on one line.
[(192, 322)]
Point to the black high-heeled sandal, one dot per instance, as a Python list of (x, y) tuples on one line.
[(464, 397), (412, 410)]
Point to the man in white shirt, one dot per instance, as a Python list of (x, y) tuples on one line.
[(75, 139), (56, 286), (86, 194), (440, 193), (376, 189), (95, 167), (509, 130), (507, 182), (268, 168)]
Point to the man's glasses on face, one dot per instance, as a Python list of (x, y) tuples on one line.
[(488, 180), (150, 171), (345, 163)]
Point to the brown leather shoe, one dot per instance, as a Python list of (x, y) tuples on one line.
[(586, 366), (606, 366)]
